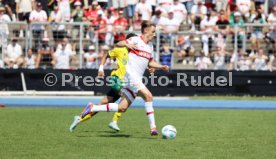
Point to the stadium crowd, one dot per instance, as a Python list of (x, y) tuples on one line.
[(211, 22)]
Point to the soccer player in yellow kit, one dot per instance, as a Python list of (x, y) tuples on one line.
[(117, 77)]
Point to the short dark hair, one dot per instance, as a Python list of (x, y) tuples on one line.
[(130, 35), (146, 24)]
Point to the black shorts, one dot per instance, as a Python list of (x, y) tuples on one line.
[(113, 93), (24, 16), (115, 88)]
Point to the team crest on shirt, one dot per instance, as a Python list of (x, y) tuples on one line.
[(124, 61)]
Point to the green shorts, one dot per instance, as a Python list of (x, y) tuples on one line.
[(115, 88)]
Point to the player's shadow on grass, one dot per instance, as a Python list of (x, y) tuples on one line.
[(112, 134), (115, 135), (118, 134)]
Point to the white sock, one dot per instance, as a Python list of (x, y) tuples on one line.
[(150, 113), (109, 107)]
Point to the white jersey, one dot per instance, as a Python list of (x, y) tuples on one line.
[(138, 59)]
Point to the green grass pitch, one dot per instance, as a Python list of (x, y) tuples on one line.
[(42, 133)]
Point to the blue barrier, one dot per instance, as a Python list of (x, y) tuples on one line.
[(158, 103)]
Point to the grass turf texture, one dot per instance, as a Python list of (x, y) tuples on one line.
[(266, 98), (31, 133)]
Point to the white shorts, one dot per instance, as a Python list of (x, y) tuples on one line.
[(132, 86)]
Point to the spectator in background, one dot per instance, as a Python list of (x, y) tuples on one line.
[(185, 50), (100, 27), (30, 60), (202, 62), (259, 61), (4, 28), (158, 19), (153, 4), (232, 6), (144, 9), (271, 4), (179, 11), (219, 59), (272, 62), (77, 13), (208, 26), (67, 44), (272, 16), (138, 22), (44, 5), (240, 61), (222, 27), (270, 38), (13, 58), (23, 11), (221, 5), (198, 13), (244, 63), (257, 34), (165, 5), (10, 7), (58, 29), (120, 25), (92, 12), (110, 18), (166, 54), (244, 7), (210, 4), (38, 15), (131, 4), (188, 5), (62, 56), (44, 55), (239, 22), (52, 3), (64, 7), (259, 4), (77, 16), (169, 27), (90, 58)]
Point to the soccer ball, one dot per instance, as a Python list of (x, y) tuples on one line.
[(169, 132)]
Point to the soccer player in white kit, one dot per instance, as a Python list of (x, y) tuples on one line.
[(140, 58)]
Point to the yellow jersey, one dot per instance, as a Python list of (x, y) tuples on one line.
[(121, 56)]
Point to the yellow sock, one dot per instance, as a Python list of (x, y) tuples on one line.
[(88, 116), (116, 116)]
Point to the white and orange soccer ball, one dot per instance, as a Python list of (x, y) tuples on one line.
[(169, 132)]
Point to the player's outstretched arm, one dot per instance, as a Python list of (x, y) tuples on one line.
[(125, 44), (101, 68), (154, 64)]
